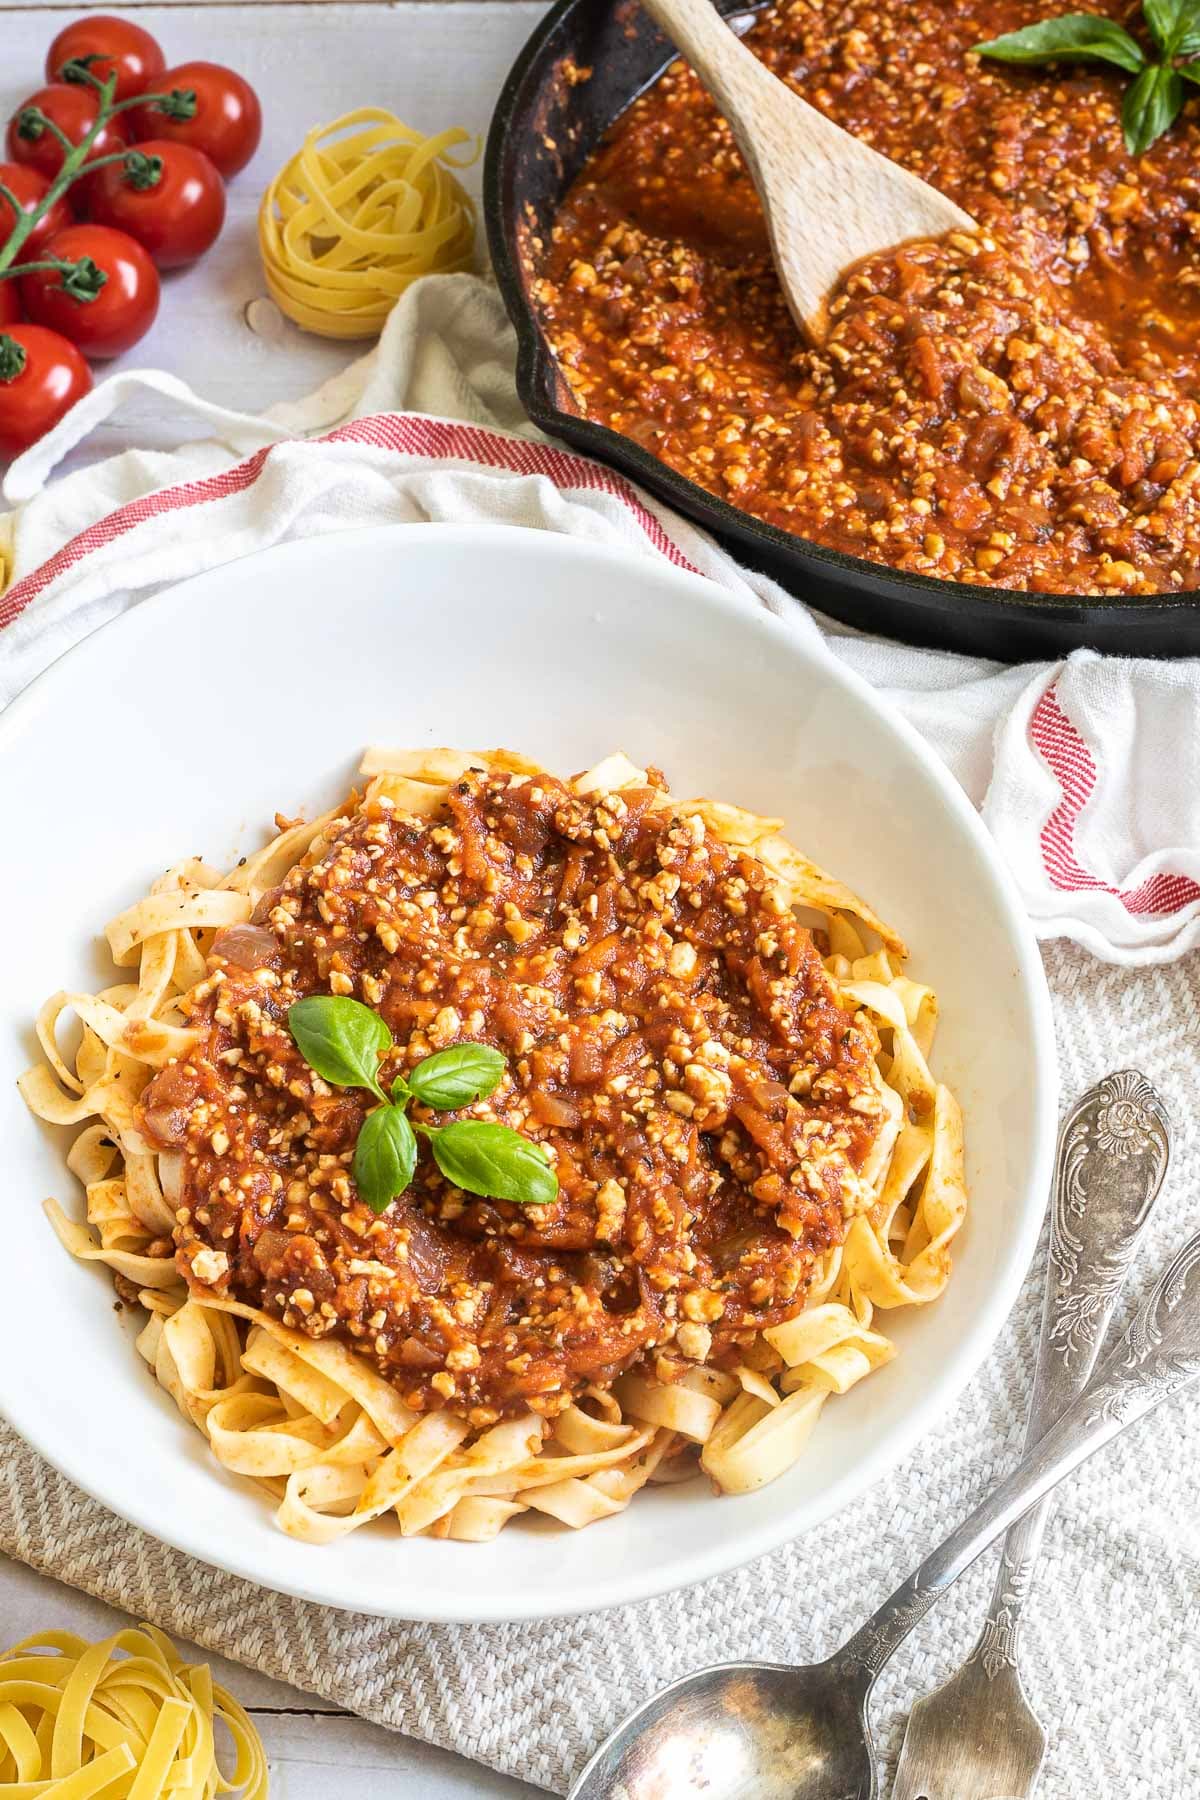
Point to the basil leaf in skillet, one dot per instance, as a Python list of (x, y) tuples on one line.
[(1151, 107), (1074, 37), (1174, 25)]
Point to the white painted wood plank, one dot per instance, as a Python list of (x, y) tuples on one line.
[(438, 1778), (306, 1739), (306, 1752), (434, 65)]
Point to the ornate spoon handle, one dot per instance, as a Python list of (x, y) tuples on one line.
[(1112, 1156), (1159, 1355)]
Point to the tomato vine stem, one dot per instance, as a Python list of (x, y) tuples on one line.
[(180, 103)]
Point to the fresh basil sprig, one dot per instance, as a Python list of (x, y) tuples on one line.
[(343, 1041), (1155, 98)]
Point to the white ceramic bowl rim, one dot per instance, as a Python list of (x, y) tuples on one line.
[(546, 556)]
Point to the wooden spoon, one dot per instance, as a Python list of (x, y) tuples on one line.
[(829, 199)]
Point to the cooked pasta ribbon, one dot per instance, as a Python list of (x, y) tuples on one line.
[(363, 209), (124, 1719), (317, 1426)]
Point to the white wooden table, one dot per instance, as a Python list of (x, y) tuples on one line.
[(434, 62)]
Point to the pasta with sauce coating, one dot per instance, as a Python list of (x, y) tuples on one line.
[(318, 1423)]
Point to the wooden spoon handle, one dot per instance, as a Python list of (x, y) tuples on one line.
[(732, 74), (828, 198)]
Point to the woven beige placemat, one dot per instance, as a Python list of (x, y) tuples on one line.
[(1112, 1653)]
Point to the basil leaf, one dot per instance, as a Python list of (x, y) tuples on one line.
[(1170, 22), (1074, 37), (493, 1161), (384, 1157), (1151, 107), (1190, 71), (454, 1077), (341, 1039)]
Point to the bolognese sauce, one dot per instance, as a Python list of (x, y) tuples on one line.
[(671, 1037), (1016, 406)]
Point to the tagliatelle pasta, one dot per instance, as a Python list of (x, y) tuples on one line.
[(363, 209), (124, 1719), (350, 1385)]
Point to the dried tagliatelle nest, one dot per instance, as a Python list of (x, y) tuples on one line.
[(119, 1719), (364, 208)]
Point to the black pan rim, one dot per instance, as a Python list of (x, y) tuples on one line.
[(536, 375)]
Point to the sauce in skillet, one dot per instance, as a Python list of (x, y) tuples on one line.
[(1017, 407)]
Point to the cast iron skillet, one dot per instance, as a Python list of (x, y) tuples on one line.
[(544, 125)]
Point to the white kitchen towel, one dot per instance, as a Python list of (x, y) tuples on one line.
[(1086, 769)]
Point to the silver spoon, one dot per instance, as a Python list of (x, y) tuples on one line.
[(766, 1731), (977, 1735)]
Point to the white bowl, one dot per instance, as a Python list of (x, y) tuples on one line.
[(254, 688)]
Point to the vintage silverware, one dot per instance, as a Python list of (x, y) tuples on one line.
[(766, 1731), (977, 1737)]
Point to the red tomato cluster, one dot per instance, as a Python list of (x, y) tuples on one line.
[(161, 207)]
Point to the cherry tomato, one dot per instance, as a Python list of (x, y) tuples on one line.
[(10, 303), (228, 119), (178, 217), (41, 375), (29, 188), (123, 310), (73, 110), (118, 44)]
